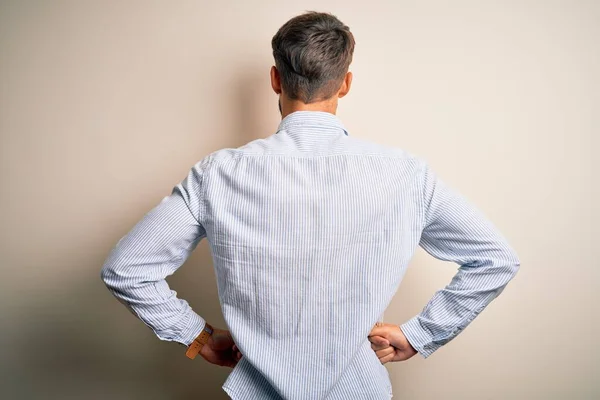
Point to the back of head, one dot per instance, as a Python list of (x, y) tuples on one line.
[(312, 53)]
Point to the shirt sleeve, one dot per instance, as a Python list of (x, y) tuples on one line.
[(155, 248), (454, 230)]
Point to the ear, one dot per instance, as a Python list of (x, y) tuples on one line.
[(345, 88), (275, 81)]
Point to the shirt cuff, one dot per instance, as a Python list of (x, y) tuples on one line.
[(193, 328), (419, 337)]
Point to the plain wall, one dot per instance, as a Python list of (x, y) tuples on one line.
[(105, 105)]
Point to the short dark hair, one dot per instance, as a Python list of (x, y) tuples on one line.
[(312, 53)]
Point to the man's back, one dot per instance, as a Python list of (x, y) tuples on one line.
[(310, 232)]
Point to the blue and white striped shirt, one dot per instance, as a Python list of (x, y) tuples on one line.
[(310, 231)]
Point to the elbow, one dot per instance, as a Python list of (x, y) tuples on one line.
[(507, 268), (119, 274), (513, 263), (106, 273), (110, 273), (112, 269)]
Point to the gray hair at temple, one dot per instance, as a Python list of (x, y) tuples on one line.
[(312, 53)]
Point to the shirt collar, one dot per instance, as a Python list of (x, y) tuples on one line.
[(312, 122)]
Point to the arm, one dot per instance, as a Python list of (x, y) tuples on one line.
[(454, 230), (155, 248)]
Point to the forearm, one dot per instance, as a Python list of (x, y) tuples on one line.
[(453, 308), (170, 318)]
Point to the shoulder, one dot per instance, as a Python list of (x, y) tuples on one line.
[(378, 150), (255, 147), (217, 157)]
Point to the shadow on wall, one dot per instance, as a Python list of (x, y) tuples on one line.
[(82, 343)]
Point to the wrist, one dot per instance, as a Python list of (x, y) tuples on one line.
[(196, 346), (411, 348), (418, 337)]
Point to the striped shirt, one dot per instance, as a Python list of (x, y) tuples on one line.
[(311, 231)]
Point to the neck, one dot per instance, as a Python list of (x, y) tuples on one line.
[(288, 106)]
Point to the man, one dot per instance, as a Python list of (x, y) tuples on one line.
[(311, 231)]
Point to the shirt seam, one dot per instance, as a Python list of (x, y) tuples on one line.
[(240, 154), (205, 181)]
